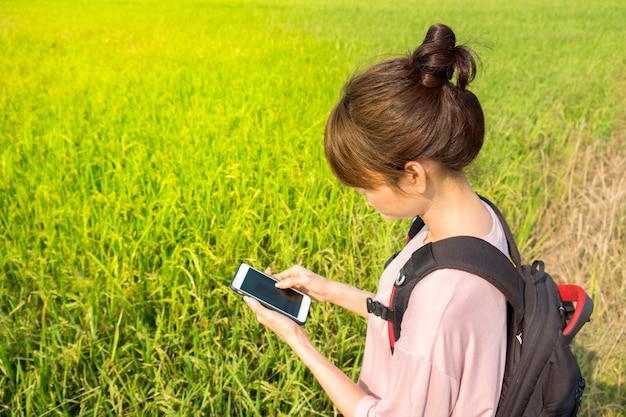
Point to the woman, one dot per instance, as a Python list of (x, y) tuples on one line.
[(401, 135)]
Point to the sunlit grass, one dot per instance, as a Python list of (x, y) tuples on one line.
[(146, 148)]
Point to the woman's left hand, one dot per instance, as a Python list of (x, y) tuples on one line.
[(344, 393), (288, 330)]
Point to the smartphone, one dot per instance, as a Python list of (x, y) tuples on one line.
[(256, 284)]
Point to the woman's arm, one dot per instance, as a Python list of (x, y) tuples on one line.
[(342, 391), (350, 298), (325, 290)]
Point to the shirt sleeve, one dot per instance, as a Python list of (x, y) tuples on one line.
[(431, 394), (449, 360)]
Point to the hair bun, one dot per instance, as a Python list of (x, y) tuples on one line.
[(437, 58)]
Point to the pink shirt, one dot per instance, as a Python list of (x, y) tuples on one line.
[(450, 358)]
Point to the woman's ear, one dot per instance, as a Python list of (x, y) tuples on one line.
[(416, 175)]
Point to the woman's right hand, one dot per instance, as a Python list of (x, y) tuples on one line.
[(324, 289), (303, 280)]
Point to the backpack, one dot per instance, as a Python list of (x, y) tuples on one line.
[(542, 376)]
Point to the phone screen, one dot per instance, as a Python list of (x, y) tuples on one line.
[(263, 287)]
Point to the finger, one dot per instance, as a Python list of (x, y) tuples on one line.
[(295, 271), (256, 308), (291, 282), (252, 303), (283, 283), (288, 274)]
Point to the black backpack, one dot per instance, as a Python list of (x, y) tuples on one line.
[(542, 376)]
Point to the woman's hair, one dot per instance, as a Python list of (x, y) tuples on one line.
[(407, 109)]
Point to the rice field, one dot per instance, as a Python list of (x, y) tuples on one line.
[(148, 147)]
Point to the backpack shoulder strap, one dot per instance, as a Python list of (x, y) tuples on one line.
[(418, 224), (465, 253)]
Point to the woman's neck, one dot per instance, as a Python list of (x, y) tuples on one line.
[(456, 210)]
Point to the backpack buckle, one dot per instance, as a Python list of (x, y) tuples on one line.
[(378, 309)]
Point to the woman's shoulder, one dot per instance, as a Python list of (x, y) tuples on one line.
[(449, 303)]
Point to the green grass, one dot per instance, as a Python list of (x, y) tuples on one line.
[(148, 147)]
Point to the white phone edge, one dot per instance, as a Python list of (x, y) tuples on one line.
[(241, 273)]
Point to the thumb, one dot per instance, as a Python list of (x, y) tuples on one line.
[(252, 303)]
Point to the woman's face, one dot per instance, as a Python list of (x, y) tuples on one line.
[(390, 202)]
